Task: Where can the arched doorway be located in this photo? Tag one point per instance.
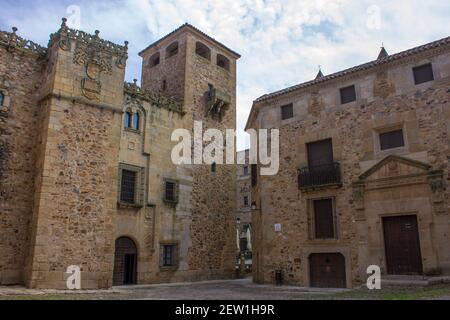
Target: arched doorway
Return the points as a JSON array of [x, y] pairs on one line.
[[327, 270], [125, 262]]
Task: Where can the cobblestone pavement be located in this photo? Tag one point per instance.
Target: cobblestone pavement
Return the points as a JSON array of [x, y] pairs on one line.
[[226, 290]]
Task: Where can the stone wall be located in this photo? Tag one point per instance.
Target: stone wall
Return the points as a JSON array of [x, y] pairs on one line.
[[20, 73], [422, 111]]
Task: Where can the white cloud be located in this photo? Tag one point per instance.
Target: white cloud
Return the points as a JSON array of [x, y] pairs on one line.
[[281, 42]]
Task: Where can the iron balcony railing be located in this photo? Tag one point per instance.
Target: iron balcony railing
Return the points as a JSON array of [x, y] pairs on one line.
[[328, 174]]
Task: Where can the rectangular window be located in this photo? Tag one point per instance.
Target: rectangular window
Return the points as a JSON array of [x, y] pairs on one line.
[[423, 74], [246, 171], [246, 201], [320, 153], [324, 226], [287, 112], [168, 255], [254, 175], [348, 94], [170, 191], [128, 187], [392, 140]]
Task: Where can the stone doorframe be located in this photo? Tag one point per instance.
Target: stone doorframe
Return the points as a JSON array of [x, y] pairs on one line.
[[398, 186], [305, 265]]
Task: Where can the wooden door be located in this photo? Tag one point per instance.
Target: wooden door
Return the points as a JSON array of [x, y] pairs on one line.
[[327, 270], [402, 245]]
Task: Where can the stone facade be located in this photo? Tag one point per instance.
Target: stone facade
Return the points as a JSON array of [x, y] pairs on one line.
[[67, 139], [370, 183]]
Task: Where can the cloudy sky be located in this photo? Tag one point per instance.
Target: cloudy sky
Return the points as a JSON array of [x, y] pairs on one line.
[[282, 42]]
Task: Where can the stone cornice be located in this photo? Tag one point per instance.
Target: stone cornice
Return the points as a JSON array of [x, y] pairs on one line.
[[12, 41], [157, 99]]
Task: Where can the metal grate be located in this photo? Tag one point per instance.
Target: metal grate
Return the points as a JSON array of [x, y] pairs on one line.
[[128, 187], [287, 112], [170, 191], [328, 174], [168, 252]]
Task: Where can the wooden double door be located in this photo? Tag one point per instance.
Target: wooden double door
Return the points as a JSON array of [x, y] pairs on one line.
[[402, 245]]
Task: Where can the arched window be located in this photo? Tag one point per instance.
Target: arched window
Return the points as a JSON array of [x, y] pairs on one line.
[[127, 119], [223, 62], [2, 99], [202, 50], [136, 121], [154, 60], [172, 50]]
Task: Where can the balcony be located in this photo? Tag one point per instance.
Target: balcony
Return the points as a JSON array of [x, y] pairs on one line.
[[217, 103], [327, 175]]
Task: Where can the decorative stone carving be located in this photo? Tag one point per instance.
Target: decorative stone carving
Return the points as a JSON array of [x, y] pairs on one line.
[[13, 42], [158, 99]]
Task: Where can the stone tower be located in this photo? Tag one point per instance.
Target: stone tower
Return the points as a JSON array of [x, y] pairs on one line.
[[195, 69], [77, 161]]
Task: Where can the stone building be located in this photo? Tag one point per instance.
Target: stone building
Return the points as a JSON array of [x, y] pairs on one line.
[[364, 171], [86, 176], [244, 212]]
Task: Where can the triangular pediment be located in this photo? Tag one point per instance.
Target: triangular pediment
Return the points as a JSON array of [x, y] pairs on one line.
[[395, 166]]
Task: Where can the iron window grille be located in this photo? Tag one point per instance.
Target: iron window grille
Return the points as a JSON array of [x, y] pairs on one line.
[[170, 191], [128, 187], [322, 175]]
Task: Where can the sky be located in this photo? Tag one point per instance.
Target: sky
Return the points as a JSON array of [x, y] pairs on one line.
[[282, 43]]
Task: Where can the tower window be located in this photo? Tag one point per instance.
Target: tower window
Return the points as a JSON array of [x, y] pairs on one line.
[[170, 191], [348, 94], [154, 60], [203, 51], [223, 62], [136, 121], [423, 74], [172, 50], [2, 99], [246, 201], [214, 167], [128, 119]]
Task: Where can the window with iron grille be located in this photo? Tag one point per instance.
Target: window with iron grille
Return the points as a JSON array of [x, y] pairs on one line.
[[423, 74], [128, 187], [324, 224], [246, 201], [392, 140], [348, 94], [287, 111], [168, 255], [170, 191]]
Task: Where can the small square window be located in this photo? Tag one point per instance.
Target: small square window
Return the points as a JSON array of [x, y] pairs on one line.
[[128, 187], [348, 94], [423, 74], [392, 140], [287, 111]]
